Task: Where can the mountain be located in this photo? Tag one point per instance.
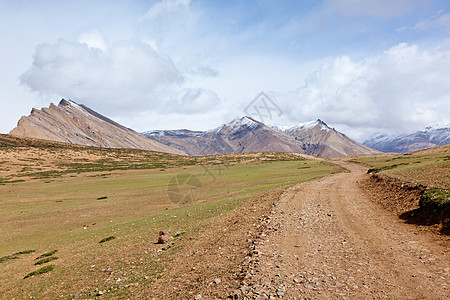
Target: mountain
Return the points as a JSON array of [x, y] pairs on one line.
[[246, 135], [242, 135], [318, 139], [78, 124], [405, 143]]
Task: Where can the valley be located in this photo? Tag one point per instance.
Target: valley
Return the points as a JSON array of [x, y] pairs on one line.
[[72, 211], [240, 225]]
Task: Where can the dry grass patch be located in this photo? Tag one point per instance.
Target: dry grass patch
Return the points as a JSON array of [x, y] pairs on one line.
[[428, 168]]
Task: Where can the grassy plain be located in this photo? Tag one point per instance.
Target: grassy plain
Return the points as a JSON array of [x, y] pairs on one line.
[[431, 168], [82, 196]]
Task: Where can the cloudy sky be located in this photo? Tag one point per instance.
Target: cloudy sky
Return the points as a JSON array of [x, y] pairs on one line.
[[362, 66]]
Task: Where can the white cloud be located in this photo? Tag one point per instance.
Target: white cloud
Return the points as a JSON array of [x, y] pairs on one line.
[[127, 74], [204, 71], [404, 88], [190, 101], [440, 20], [124, 79], [165, 6], [92, 38]]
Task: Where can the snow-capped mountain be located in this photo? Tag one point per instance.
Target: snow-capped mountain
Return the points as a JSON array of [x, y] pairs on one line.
[[432, 136], [178, 132], [245, 135], [242, 135], [318, 138]]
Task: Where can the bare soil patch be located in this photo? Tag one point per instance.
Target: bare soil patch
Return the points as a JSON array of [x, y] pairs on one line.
[[402, 199], [393, 195], [211, 263]]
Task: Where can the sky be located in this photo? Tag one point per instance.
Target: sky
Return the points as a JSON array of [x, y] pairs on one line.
[[362, 66]]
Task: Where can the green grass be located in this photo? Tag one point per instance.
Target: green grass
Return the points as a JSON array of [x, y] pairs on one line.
[[14, 255], [107, 239], [45, 260], [43, 161], [63, 214], [435, 208], [386, 167], [435, 198], [427, 169], [46, 254], [40, 271]]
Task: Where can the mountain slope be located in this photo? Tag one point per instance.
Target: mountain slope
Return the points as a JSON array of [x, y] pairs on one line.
[[78, 124], [246, 135], [319, 139], [242, 135], [405, 143]]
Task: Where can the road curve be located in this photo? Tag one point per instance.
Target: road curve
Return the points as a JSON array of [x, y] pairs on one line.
[[327, 240]]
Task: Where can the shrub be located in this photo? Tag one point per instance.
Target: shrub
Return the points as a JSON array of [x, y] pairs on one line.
[[383, 168], [46, 254], [45, 260], [107, 239], [40, 271], [435, 198], [14, 256]]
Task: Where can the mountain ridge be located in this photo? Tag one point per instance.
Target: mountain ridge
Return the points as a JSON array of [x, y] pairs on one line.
[[78, 124], [405, 143], [245, 134]]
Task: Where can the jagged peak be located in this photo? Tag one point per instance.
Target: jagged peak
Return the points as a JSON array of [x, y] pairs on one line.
[[245, 120], [237, 123], [64, 102], [69, 102]]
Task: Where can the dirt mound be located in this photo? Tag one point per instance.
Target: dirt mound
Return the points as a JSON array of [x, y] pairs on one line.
[[404, 199], [393, 195]]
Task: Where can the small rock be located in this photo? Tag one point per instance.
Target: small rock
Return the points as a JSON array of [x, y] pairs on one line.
[[163, 237], [198, 297], [217, 281]]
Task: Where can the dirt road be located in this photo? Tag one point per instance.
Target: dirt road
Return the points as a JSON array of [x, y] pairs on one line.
[[327, 240]]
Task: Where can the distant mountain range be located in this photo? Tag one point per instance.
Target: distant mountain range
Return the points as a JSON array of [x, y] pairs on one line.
[[244, 135], [78, 124], [405, 143]]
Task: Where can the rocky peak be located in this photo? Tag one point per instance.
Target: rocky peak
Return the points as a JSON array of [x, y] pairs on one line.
[[75, 123], [64, 102]]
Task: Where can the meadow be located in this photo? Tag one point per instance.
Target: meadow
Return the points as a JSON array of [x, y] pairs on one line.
[[430, 168], [101, 210]]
